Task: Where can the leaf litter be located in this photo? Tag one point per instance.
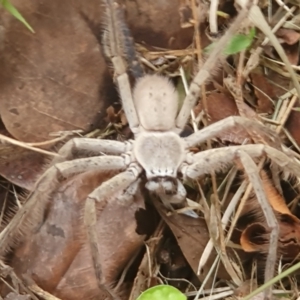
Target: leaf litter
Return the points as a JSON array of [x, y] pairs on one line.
[[261, 90]]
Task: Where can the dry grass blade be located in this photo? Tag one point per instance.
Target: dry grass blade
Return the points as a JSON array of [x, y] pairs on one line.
[[257, 18], [26, 146], [37, 290], [207, 67]]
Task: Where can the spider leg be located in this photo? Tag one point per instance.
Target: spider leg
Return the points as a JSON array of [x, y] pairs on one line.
[[215, 130], [45, 186], [220, 158], [90, 147], [114, 49], [127, 181]]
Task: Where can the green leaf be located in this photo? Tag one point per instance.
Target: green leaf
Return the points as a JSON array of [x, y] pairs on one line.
[[162, 292], [10, 8], [237, 44], [240, 42]]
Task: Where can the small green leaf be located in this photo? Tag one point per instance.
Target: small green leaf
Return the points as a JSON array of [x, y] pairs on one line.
[[10, 8], [162, 292], [237, 44], [240, 42]]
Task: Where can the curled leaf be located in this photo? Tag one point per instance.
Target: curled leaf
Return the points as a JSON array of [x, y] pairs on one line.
[[276, 200], [253, 238]]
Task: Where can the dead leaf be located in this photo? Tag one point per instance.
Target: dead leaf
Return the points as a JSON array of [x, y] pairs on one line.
[[254, 237], [192, 236], [268, 87], [186, 13], [157, 23], [264, 91], [21, 166], [293, 124], [275, 199], [292, 53], [55, 79], [246, 288], [221, 106], [172, 262], [56, 254], [288, 36]]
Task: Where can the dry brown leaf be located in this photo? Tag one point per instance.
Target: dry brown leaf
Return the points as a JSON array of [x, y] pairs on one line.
[[186, 13], [275, 199], [21, 166], [157, 23], [173, 264], [272, 87], [57, 256], [192, 236], [254, 237], [220, 106], [55, 79], [288, 36], [264, 91], [293, 124], [268, 87], [245, 288], [292, 53]]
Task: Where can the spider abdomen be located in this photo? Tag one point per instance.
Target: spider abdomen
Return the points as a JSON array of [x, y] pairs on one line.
[[156, 101]]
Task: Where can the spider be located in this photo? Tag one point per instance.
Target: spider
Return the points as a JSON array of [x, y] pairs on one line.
[[158, 155]]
